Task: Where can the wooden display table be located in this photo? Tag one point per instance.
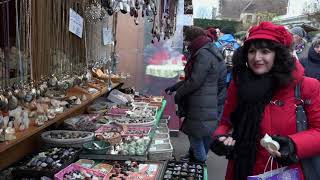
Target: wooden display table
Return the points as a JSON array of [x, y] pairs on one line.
[[28, 141]]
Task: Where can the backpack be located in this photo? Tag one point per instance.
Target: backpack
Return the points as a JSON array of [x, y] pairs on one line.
[[227, 50]]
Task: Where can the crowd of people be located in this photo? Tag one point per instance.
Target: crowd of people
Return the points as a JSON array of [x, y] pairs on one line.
[[234, 94]]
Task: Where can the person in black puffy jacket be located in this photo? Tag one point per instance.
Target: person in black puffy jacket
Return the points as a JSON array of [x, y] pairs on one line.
[[200, 97]]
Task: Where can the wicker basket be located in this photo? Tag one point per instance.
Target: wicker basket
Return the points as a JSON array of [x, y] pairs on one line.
[[76, 142]]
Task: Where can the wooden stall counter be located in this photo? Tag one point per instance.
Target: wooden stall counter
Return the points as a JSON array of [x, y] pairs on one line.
[[28, 141]]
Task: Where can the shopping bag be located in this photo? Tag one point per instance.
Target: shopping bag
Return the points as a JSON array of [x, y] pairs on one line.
[[283, 173]]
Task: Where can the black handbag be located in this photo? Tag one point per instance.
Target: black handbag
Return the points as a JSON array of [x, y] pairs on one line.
[[310, 166]]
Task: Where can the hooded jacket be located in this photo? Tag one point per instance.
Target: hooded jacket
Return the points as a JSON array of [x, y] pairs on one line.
[[281, 120], [226, 39]]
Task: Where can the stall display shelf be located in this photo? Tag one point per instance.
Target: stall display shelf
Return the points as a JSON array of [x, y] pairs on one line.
[[33, 129], [86, 155], [25, 140]]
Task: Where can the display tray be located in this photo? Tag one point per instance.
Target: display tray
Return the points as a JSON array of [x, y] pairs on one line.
[[21, 169], [144, 170], [87, 155], [185, 170]]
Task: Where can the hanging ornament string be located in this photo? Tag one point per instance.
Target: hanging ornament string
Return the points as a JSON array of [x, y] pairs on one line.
[[18, 42], [7, 45], [4, 2], [29, 35], [4, 49]]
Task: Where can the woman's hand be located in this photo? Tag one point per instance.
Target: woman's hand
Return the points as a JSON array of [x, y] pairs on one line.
[[227, 140], [273, 152], [287, 152], [223, 145]]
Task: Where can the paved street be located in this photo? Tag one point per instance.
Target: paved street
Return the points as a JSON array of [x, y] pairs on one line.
[[216, 165]]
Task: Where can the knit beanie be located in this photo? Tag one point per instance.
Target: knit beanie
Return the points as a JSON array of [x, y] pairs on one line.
[[212, 34], [193, 32], [227, 30], [298, 31]]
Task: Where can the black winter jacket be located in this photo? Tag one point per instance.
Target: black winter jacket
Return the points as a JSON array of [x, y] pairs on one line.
[[312, 64], [203, 94]]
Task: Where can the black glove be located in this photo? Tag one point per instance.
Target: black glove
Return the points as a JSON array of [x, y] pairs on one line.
[[219, 148], [169, 90], [287, 150]]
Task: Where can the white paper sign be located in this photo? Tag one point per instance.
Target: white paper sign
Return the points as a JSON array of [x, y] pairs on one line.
[[75, 23], [107, 36]]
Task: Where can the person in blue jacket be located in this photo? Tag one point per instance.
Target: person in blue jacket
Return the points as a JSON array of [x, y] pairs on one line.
[[226, 38], [227, 44]]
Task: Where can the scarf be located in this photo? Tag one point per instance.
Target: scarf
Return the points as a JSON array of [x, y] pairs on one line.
[[254, 92], [195, 45], [299, 48]]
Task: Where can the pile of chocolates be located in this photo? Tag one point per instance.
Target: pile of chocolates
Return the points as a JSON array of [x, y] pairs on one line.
[[130, 170], [85, 125], [122, 169], [137, 131], [67, 135], [137, 120], [78, 174], [184, 171], [116, 110], [52, 159]]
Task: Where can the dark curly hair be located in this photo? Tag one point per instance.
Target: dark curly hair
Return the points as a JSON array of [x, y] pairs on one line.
[[283, 65], [193, 32]]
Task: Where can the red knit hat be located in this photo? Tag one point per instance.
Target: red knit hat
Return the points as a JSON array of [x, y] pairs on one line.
[[212, 34], [270, 31]]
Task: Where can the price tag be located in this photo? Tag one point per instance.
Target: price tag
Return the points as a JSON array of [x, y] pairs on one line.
[[152, 148], [153, 167], [107, 36], [142, 167], [75, 23], [159, 141]]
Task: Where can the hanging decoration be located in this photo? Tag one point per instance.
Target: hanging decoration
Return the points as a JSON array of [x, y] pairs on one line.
[[94, 12], [188, 7], [131, 7]]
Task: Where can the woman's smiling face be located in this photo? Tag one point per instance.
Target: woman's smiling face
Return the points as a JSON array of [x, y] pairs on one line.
[[261, 60]]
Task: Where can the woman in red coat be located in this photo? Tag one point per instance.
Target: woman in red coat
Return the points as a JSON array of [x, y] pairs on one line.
[[261, 100]]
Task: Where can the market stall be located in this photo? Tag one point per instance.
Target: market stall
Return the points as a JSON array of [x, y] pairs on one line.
[[66, 112]]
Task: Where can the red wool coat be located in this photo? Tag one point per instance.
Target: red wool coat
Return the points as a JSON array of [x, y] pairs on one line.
[[281, 120]]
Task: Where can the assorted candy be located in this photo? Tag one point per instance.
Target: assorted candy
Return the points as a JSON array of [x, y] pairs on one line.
[[184, 170], [78, 174], [133, 170], [67, 135], [134, 146]]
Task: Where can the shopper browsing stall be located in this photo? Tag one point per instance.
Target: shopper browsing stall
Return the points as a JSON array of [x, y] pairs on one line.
[[261, 100]]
